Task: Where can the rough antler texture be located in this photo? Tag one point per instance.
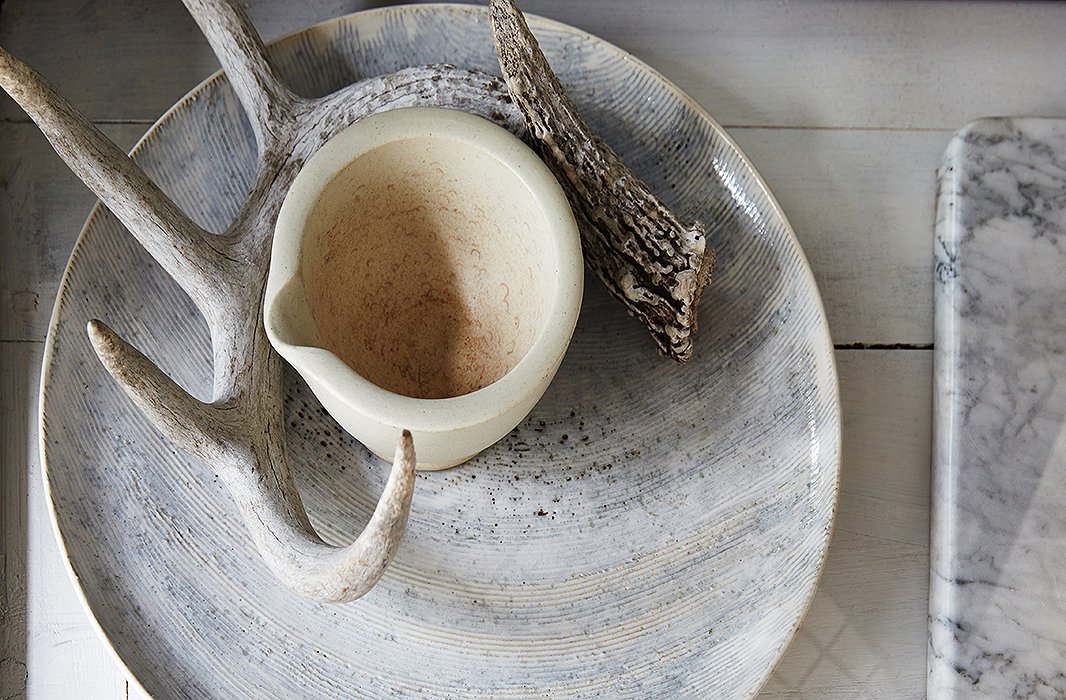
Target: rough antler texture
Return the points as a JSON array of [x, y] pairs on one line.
[[241, 431], [649, 260]]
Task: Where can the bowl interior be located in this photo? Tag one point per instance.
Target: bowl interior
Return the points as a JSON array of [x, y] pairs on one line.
[[426, 264]]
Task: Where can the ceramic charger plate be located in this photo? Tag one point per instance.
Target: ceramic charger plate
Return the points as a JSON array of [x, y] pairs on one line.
[[650, 530]]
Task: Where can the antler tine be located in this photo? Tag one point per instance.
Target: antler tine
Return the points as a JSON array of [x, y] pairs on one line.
[[239, 49], [183, 248], [331, 574], [275, 518], [183, 419], [365, 560]]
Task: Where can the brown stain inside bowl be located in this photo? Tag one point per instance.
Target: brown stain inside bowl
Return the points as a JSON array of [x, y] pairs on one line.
[[423, 271]]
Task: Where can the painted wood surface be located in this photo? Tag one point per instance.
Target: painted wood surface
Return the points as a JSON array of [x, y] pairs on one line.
[[845, 111], [51, 649], [827, 64], [864, 636]]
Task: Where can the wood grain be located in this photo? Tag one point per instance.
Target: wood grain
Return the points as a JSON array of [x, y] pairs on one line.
[[14, 448], [48, 647]]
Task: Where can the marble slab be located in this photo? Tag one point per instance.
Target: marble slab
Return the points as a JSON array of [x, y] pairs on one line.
[[997, 595]]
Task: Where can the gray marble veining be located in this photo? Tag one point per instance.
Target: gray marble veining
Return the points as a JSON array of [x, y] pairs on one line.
[[997, 598]]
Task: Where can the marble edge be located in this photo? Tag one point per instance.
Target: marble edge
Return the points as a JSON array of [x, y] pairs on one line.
[[947, 236], [943, 676], [945, 342]]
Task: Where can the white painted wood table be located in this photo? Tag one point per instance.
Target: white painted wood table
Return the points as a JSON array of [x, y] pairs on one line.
[[844, 109]]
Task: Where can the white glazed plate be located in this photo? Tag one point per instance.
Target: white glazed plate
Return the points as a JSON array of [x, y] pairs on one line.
[[650, 530]]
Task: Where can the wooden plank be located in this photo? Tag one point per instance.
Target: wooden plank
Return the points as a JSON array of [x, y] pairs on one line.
[[830, 64], [13, 459], [50, 648], [865, 633], [42, 209]]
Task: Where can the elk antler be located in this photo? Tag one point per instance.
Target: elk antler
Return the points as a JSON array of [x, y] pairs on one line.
[[241, 431]]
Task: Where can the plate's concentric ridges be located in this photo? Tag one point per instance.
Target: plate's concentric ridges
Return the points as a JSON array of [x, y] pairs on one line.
[[650, 530]]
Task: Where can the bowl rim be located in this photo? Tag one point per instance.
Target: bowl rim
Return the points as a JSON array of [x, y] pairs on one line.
[[324, 370]]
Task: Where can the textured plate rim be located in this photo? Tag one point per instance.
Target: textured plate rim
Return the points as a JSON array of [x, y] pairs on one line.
[[537, 21]]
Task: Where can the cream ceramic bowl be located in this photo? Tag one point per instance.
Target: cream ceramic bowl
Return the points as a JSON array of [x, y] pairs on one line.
[[426, 275]]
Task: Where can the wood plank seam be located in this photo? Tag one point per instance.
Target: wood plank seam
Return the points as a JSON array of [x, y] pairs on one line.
[[883, 346]]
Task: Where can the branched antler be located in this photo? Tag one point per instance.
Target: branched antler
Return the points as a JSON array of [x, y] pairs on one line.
[[265, 98], [241, 431]]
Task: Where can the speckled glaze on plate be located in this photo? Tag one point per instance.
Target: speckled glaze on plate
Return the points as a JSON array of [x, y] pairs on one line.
[[650, 530]]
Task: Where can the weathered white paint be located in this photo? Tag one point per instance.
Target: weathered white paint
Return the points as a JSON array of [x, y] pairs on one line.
[[833, 64]]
